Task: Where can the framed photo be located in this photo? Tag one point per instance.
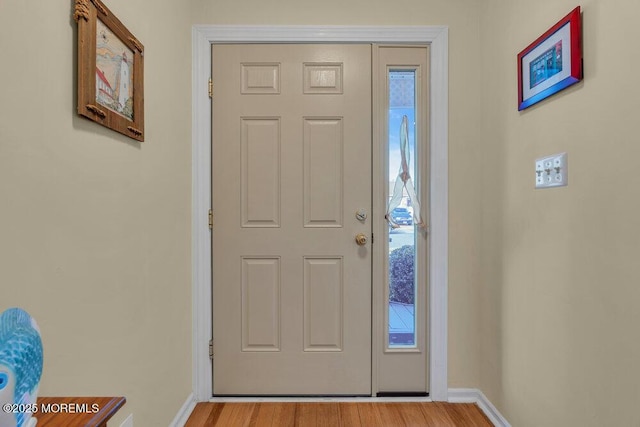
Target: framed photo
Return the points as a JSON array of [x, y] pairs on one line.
[[110, 70], [551, 63]]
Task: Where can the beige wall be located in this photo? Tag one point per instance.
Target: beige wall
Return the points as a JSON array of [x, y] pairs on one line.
[[559, 306], [95, 228], [464, 144]]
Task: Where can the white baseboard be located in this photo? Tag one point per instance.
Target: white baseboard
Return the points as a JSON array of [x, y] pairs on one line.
[[473, 395], [183, 414], [128, 422]]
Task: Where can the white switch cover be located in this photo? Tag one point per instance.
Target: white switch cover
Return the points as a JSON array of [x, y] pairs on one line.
[[552, 171]]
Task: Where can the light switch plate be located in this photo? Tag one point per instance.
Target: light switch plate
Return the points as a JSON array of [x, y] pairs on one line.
[[552, 171]]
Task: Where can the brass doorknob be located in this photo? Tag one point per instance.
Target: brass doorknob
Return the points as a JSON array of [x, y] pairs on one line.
[[361, 239]]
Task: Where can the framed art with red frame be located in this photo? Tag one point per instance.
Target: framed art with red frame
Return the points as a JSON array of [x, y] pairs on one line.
[[551, 63]]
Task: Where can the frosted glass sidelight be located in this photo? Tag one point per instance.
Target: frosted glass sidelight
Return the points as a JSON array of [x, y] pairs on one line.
[[403, 212]]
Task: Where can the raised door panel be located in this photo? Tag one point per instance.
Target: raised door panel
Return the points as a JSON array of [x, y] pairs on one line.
[[260, 172], [323, 304], [323, 171], [261, 304]]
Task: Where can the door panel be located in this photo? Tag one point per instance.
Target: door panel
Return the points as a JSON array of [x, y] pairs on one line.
[[323, 304], [323, 185], [260, 304], [260, 171], [291, 166]]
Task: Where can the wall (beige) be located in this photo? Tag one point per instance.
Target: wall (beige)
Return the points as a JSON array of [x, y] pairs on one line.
[[464, 144], [559, 305], [94, 227]]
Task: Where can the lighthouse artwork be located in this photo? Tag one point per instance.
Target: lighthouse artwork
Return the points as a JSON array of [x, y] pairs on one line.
[[114, 72], [110, 70]]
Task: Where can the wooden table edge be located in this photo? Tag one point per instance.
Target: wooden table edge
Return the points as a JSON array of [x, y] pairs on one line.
[[108, 406]]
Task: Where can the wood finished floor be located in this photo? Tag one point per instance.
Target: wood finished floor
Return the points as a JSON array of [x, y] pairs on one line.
[[332, 414]]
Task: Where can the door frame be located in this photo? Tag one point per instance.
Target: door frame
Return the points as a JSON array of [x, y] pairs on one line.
[[202, 38]]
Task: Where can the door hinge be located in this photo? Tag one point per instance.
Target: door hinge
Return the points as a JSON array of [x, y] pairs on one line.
[[372, 238], [210, 87], [210, 219], [211, 349]]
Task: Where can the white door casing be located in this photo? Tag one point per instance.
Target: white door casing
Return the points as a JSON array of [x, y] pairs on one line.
[[437, 37], [291, 167]]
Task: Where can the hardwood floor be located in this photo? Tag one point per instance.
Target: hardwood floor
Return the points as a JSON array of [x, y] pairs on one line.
[[332, 414]]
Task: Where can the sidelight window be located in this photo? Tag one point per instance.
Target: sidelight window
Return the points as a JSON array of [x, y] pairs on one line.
[[403, 208]]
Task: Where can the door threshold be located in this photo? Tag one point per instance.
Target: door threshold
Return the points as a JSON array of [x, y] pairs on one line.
[[402, 394]]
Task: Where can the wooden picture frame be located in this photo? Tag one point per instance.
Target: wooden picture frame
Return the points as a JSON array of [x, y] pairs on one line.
[[110, 70], [551, 63]]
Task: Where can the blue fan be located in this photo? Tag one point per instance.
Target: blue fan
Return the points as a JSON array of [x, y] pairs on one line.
[[20, 367]]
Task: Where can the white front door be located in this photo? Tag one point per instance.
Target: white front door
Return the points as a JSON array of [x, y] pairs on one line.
[[291, 167]]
